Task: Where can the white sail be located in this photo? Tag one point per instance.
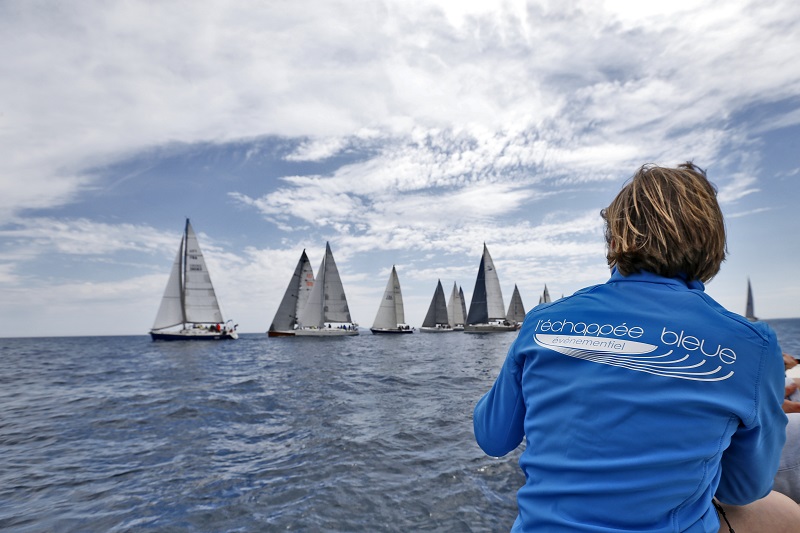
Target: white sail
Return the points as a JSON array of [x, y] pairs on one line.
[[170, 312], [189, 298], [295, 297], [391, 311], [327, 301], [455, 307], [200, 300], [494, 296]]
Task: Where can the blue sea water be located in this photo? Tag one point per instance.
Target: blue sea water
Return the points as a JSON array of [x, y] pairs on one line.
[[368, 433]]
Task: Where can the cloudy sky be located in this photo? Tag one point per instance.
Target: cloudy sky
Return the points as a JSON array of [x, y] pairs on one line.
[[406, 133]]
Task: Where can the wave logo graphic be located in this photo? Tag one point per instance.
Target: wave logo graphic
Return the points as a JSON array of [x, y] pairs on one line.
[[632, 355]]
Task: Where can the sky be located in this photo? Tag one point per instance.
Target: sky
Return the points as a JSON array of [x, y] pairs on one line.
[[405, 133]]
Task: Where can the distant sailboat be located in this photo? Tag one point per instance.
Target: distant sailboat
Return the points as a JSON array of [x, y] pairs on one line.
[[456, 312], [326, 313], [391, 315], [487, 312], [189, 299], [436, 320], [516, 311], [749, 312], [294, 299], [545, 297]]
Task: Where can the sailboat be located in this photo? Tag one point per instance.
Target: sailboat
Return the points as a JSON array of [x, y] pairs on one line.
[[436, 320], [545, 297], [326, 313], [294, 299], [456, 313], [487, 312], [189, 299], [749, 312], [516, 311], [391, 315]]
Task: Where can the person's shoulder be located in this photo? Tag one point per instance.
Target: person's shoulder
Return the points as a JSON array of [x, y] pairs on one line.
[[737, 321]]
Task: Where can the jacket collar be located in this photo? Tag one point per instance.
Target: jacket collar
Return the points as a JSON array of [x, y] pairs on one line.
[[649, 277]]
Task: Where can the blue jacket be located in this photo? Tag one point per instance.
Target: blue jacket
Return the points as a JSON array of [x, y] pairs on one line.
[[640, 399]]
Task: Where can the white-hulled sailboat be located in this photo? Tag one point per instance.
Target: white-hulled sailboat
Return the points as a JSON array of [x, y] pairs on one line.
[[294, 299], [391, 315], [456, 313], [516, 311], [189, 299], [487, 312], [326, 313], [436, 320]]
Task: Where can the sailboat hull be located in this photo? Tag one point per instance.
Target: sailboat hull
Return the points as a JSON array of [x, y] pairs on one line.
[[489, 328], [325, 332], [428, 329], [280, 334], [189, 335], [379, 331]]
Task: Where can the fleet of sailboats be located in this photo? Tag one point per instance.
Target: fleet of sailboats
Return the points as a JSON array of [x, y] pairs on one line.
[[391, 315], [189, 308], [487, 312], [317, 306]]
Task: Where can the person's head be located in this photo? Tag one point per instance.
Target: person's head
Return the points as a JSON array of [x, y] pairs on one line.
[[666, 221]]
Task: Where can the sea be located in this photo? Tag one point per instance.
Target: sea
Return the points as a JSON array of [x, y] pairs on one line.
[[367, 433]]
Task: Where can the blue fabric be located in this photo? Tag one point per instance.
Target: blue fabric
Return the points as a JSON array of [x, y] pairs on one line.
[[640, 399]]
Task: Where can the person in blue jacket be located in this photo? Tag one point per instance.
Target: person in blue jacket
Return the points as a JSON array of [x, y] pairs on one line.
[[644, 404]]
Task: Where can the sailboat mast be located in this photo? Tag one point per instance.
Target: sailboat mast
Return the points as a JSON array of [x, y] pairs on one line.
[[184, 248]]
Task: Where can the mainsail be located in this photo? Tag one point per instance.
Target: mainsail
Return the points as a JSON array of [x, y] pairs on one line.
[[189, 296], [455, 307], [391, 312], [545, 297], [437, 311], [327, 301], [487, 298], [749, 312], [516, 311], [295, 297]]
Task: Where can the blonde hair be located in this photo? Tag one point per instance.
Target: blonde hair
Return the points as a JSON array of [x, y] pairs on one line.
[[666, 221]]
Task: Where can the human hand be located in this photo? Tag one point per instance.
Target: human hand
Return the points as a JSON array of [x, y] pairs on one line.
[[790, 406], [789, 361]]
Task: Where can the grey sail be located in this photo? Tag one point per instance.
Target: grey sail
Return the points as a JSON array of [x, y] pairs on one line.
[[545, 297], [516, 311], [170, 312], [486, 311], [437, 311], [749, 312], [478, 310], [295, 297]]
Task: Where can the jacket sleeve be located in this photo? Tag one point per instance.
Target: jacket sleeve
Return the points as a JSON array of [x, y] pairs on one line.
[[498, 419], [751, 461]]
